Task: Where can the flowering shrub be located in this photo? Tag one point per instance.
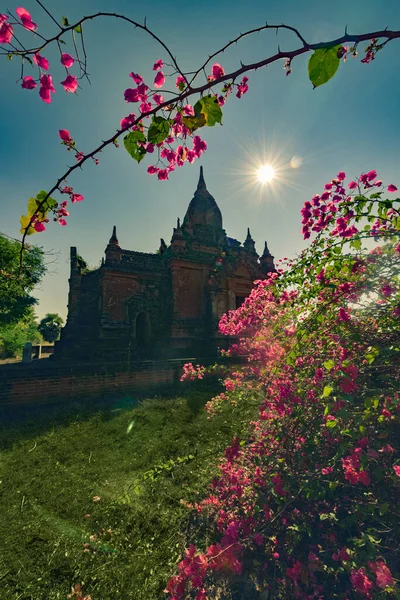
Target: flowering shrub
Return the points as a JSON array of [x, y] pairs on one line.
[[306, 507]]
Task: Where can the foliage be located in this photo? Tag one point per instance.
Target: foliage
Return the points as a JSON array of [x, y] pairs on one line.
[[53, 466], [13, 336], [306, 507], [17, 279], [50, 327]]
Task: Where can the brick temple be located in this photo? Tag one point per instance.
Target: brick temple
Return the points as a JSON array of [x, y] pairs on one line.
[[139, 305]]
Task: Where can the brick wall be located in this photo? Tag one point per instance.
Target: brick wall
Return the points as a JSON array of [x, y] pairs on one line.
[[45, 381]]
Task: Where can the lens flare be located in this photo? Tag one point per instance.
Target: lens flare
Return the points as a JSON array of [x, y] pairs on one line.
[[266, 173]]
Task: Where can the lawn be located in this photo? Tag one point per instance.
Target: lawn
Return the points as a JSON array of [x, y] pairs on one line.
[[93, 495]]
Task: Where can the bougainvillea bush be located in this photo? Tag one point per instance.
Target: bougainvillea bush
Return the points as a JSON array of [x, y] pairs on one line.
[[307, 507]]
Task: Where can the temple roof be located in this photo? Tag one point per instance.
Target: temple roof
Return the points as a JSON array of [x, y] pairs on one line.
[[203, 210]]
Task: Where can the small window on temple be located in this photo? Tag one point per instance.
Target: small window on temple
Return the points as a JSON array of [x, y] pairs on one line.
[[240, 300]]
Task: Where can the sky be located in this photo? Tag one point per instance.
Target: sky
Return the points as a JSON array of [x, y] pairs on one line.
[[352, 124]]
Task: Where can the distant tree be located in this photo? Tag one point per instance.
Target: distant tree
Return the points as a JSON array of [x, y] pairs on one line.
[[50, 327], [13, 336], [18, 278]]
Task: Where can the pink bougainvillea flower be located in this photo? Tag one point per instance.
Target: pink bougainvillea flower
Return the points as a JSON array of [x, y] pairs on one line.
[[39, 226], [127, 121], [152, 170], [158, 65], [131, 95], [391, 188], [70, 84], [138, 79], [158, 98], [79, 198], [28, 83], [46, 88], [382, 572], [159, 80], [6, 30], [62, 222], [180, 81], [372, 175], [360, 581], [41, 61], [65, 135], [162, 174], [352, 185], [189, 110], [341, 175], [67, 60], [217, 71], [149, 148], [26, 18], [396, 469], [145, 107]]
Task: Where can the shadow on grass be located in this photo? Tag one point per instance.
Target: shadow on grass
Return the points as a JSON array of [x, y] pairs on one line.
[[25, 422]]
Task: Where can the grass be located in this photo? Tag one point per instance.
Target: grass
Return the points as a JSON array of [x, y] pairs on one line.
[[54, 462]]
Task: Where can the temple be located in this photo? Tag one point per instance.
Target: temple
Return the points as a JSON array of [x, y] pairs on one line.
[[139, 305]]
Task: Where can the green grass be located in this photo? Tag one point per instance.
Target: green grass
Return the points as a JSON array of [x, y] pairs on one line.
[[52, 465]]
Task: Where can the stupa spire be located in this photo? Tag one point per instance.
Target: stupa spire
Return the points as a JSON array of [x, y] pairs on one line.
[[113, 238]]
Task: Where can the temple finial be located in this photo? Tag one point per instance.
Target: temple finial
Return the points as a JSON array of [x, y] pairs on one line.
[[248, 234], [202, 183], [178, 223], [113, 238], [266, 251]]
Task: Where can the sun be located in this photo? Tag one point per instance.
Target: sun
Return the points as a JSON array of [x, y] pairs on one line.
[[265, 174]]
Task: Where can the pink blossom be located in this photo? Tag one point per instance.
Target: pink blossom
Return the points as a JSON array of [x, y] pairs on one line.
[[62, 222], [341, 175], [360, 581], [28, 83], [6, 30], [76, 198], [158, 98], [39, 226], [158, 65], [371, 175], [387, 290], [396, 469], [179, 81], [127, 121], [70, 83], [159, 80], [162, 174], [41, 61], [391, 188], [189, 110], [138, 79], [149, 148], [46, 88], [343, 315], [145, 107], [67, 60], [152, 170], [26, 19], [65, 135], [217, 71], [131, 95], [383, 575], [352, 185]]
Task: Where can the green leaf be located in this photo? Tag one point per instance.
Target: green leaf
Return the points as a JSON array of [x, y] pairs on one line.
[[64, 21], [327, 391], [331, 424], [210, 109], [78, 29], [131, 145], [194, 123], [158, 130], [356, 244], [329, 364], [323, 64]]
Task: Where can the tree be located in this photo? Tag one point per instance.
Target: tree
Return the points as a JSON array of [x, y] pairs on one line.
[[50, 327], [13, 336], [17, 280]]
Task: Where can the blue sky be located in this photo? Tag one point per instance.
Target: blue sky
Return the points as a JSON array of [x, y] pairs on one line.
[[351, 124]]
